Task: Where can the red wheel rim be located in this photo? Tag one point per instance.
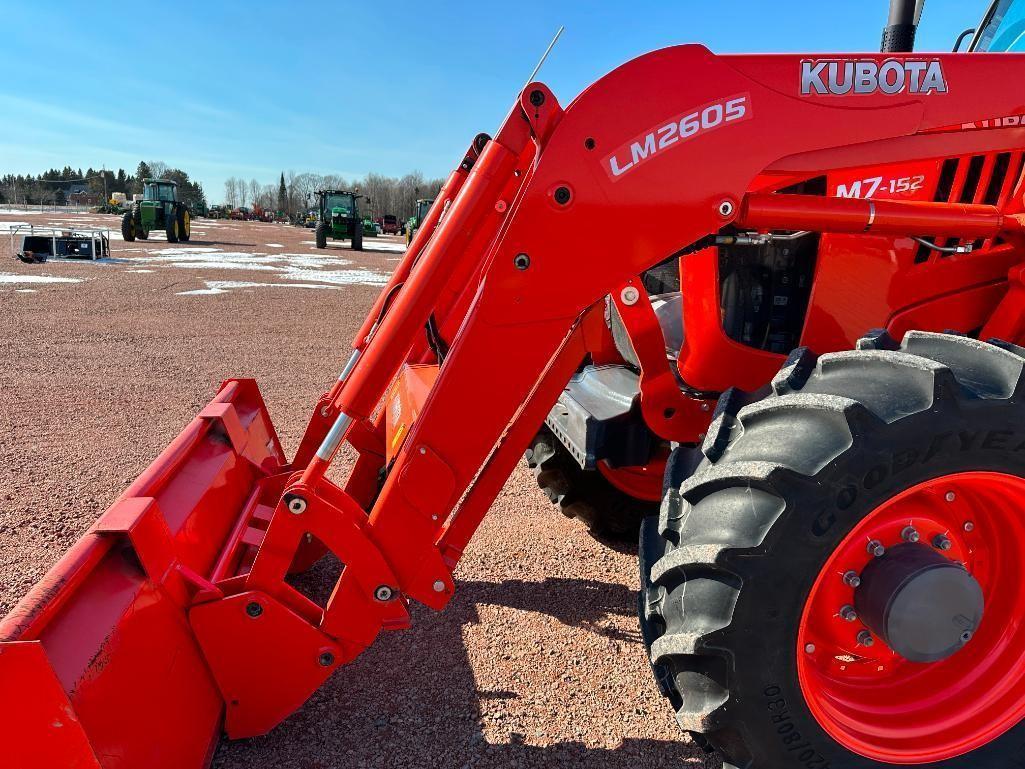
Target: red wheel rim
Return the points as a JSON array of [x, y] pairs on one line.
[[879, 705]]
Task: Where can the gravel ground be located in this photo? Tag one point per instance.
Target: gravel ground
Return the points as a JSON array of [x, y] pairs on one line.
[[536, 663]]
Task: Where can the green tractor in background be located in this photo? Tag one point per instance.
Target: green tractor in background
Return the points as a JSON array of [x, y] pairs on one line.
[[340, 218], [159, 209], [422, 207]]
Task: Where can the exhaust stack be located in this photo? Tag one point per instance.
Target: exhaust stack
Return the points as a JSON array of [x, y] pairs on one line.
[[899, 33]]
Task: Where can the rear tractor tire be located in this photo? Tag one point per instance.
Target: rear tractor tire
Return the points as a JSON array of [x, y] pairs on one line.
[[184, 225], [128, 227], [321, 235], [585, 494], [171, 228], [838, 583]]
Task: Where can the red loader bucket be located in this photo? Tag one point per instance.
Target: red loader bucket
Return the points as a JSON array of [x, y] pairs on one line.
[[99, 666]]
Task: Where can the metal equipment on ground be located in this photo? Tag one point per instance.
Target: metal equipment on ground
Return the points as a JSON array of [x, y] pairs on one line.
[[34, 244]]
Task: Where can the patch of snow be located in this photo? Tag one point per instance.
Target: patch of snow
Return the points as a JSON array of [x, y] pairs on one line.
[[395, 248], [139, 270], [339, 277], [273, 245], [6, 277], [25, 291], [225, 286]]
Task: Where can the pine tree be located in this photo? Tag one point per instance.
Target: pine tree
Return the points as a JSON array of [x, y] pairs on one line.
[[283, 195]]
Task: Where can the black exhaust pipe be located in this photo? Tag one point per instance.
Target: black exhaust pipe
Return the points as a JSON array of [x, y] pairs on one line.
[[899, 34]]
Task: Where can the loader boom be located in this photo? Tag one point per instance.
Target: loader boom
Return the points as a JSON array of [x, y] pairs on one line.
[[510, 259]]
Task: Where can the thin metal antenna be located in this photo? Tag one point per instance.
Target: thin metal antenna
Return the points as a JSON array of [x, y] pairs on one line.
[[544, 56]]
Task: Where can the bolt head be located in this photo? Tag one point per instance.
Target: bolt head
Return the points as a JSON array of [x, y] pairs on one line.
[[967, 636], [562, 195], [726, 208], [809, 649], [876, 549], [865, 639], [383, 593], [297, 505], [254, 609], [630, 295], [326, 659], [941, 542], [848, 614], [439, 587], [910, 534], [537, 97], [852, 579], [950, 496], [521, 261], [969, 526]]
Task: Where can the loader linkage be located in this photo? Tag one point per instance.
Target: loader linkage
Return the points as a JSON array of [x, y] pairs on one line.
[[180, 594]]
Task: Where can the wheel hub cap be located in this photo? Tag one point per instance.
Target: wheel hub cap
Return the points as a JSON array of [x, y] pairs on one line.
[[922, 605], [911, 645]]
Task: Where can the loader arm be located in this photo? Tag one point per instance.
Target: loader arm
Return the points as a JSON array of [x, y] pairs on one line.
[[510, 263]]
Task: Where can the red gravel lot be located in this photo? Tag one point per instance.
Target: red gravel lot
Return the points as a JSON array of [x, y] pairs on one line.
[[536, 663]]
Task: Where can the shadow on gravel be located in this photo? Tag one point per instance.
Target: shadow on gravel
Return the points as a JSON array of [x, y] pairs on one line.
[[412, 700], [579, 603]]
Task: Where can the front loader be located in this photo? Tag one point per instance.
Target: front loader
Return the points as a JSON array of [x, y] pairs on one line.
[[833, 576]]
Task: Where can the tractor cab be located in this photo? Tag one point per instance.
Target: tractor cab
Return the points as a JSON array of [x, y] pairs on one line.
[[337, 204], [1003, 29], [419, 214], [422, 207], [160, 190]]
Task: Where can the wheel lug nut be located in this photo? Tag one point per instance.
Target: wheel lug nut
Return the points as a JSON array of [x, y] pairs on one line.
[[969, 526], [852, 579], [848, 614], [876, 548], [942, 542], [910, 534], [865, 638]]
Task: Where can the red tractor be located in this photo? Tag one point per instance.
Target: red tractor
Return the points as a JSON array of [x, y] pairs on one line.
[[830, 562]]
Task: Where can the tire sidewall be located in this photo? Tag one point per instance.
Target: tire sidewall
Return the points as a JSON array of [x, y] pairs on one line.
[[821, 512]]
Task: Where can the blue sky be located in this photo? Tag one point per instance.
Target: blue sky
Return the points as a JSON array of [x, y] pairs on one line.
[[252, 89]]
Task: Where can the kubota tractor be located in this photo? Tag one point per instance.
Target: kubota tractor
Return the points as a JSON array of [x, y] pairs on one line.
[[159, 209], [833, 577], [340, 218]]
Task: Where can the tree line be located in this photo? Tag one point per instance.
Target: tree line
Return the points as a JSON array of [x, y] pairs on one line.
[[52, 187], [297, 192]]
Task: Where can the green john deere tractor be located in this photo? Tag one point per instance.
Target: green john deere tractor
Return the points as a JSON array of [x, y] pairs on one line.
[[340, 218], [422, 207], [159, 209]]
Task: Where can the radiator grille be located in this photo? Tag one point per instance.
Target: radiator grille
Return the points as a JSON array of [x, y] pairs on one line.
[[980, 179]]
